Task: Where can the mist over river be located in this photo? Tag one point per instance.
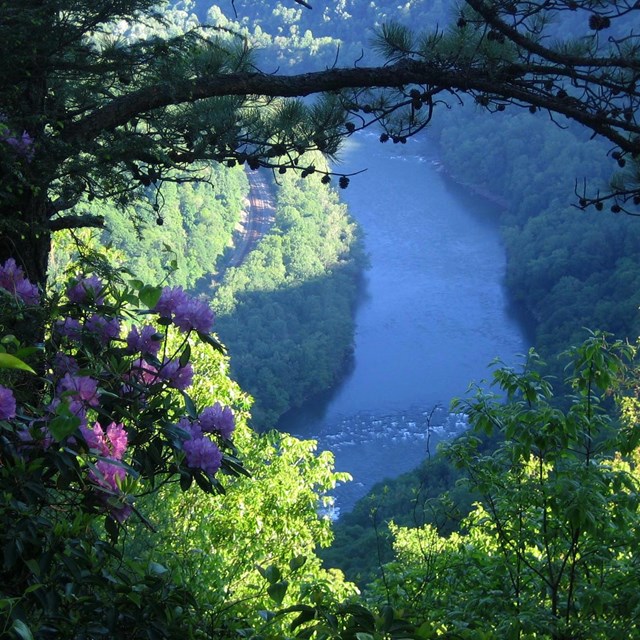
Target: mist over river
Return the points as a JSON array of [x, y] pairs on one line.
[[433, 315]]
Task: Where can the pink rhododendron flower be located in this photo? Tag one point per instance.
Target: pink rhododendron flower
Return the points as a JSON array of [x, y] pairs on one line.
[[111, 475], [111, 443], [111, 446]]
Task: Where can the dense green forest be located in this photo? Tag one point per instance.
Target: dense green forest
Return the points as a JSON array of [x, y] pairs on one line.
[[569, 269], [286, 313], [184, 242], [138, 502]]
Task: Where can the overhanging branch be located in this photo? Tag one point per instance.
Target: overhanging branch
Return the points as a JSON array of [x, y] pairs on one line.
[[514, 82], [76, 222]]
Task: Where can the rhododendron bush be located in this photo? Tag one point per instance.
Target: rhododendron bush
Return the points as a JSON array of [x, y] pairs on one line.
[[94, 416]]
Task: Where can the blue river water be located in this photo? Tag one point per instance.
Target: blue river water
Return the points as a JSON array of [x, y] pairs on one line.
[[434, 314]]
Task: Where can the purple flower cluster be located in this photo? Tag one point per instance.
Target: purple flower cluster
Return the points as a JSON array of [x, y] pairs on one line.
[[217, 419], [68, 328], [62, 364], [143, 372], [22, 145], [94, 375], [82, 290], [111, 446], [98, 326], [83, 388], [102, 329], [186, 313], [7, 404], [13, 280], [177, 377], [145, 341], [200, 451]]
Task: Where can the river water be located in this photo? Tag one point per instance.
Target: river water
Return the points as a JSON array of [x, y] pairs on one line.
[[434, 314]]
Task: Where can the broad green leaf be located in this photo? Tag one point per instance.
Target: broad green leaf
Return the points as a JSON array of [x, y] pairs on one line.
[[210, 340], [63, 425], [272, 574], [7, 361], [22, 630], [297, 562], [278, 591], [136, 284], [157, 569], [149, 295]]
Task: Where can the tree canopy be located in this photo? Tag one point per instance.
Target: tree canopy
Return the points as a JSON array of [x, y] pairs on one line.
[[92, 108]]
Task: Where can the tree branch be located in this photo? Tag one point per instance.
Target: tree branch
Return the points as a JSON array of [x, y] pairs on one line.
[[507, 83], [76, 222]]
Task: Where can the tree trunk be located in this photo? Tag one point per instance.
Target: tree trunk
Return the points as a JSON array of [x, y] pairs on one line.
[[25, 235]]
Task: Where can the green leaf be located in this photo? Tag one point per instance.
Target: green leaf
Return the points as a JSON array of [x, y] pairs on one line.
[[266, 615], [22, 630], [388, 616], [25, 352], [272, 574], [7, 361], [136, 284], [278, 591], [297, 562], [210, 340], [305, 616], [189, 406], [234, 467], [185, 481], [149, 295], [203, 482], [185, 356], [64, 424], [157, 569]]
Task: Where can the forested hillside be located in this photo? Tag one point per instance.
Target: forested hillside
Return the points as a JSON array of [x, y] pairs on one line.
[[286, 314], [181, 243], [138, 502], [569, 268]]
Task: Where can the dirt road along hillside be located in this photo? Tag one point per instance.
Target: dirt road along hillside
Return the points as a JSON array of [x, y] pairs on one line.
[[257, 217]]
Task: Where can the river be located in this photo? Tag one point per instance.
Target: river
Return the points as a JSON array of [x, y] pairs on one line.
[[434, 314]]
